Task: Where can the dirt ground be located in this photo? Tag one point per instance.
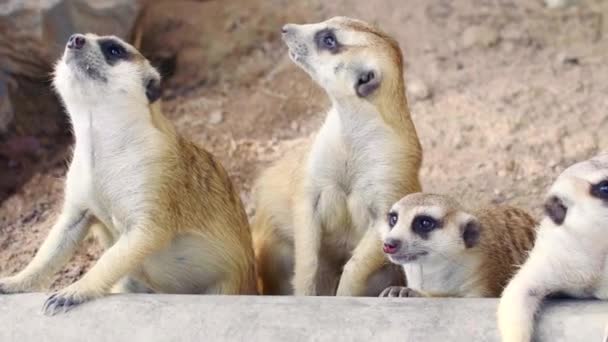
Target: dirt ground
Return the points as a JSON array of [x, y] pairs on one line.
[[504, 94]]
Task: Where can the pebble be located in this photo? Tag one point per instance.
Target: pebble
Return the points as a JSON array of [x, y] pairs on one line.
[[216, 117], [559, 3], [418, 90], [567, 58], [480, 35]]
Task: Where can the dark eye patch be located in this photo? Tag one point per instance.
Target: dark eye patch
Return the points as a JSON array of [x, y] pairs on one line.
[[326, 40], [113, 51], [423, 225], [600, 190]]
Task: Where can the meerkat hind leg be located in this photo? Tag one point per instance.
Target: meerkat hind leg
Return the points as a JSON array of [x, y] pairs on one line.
[[275, 267], [130, 284], [193, 264]]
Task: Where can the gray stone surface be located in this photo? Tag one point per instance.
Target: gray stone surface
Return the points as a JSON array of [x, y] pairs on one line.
[[222, 318]]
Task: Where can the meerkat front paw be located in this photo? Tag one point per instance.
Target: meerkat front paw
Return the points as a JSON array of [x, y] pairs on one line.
[[65, 300], [400, 291]]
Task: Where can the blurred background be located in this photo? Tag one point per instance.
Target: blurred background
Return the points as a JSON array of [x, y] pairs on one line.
[[504, 93]]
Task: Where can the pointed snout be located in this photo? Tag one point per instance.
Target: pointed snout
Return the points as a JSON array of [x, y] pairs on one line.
[[76, 41], [288, 29]]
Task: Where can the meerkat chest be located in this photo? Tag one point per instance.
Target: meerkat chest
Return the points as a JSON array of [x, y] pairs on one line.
[[352, 174], [113, 169], [448, 278]]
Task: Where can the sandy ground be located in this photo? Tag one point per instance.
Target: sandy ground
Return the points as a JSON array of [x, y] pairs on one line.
[[504, 94]]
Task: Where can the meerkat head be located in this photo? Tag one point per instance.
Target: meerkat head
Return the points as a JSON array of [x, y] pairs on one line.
[[578, 199], [105, 69], [428, 227], [349, 58]]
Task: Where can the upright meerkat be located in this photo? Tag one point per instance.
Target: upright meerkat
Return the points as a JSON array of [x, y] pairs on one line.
[[448, 251], [317, 206], [570, 255], [164, 207]]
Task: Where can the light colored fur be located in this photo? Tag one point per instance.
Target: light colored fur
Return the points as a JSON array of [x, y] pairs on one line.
[[449, 268], [571, 258], [316, 207], [163, 207]]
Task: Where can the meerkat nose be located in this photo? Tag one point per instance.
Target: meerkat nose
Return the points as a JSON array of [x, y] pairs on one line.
[[76, 41], [391, 246]]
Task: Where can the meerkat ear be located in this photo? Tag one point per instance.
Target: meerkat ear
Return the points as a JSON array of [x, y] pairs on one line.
[[470, 232], [153, 90], [367, 81]]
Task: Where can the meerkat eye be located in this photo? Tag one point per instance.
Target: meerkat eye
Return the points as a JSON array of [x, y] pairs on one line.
[[424, 224], [366, 77], [600, 190], [329, 41], [113, 51], [392, 217], [326, 40], [116, 50]]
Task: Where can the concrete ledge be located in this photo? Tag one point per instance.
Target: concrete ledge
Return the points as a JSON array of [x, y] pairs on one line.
[[164, 318]]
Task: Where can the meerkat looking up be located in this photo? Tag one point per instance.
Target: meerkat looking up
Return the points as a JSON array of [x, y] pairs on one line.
[[317, 206], [166, 209], [570, 255], [448, 251]]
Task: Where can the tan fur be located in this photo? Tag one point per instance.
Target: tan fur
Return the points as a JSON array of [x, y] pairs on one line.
[[507, 236], [164, 208], [451, 268], [314, 219]]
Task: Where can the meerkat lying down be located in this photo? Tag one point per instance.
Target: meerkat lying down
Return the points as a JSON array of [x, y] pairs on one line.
[[316, 207], [164, 208], [447, 250], [570, 255]]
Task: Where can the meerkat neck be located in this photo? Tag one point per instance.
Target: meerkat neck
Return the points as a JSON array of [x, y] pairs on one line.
[[443, 276]]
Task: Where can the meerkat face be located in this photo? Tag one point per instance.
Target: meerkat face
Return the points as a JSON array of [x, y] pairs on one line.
[[426, 227], [349, 58], [578, 200], [96, 69]]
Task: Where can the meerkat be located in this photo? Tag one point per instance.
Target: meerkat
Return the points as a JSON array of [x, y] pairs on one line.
[[570, 255], [449, 251], [164, 207], [316, 207]]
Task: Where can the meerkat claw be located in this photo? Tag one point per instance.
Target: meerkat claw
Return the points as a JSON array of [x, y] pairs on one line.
[[60, 303], [400, 291]]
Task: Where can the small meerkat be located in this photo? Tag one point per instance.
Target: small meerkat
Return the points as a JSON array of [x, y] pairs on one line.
[[570, 255], [316, 207], [449, 251], [163, 207]]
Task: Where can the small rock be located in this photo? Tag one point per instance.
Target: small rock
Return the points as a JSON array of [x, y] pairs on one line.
[[294, 126], [566, 58], [418, 90], [480, 35], [559, 3], [216, 117]]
